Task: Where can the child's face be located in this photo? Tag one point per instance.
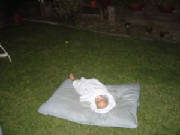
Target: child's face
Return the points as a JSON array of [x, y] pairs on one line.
[[101, 102]]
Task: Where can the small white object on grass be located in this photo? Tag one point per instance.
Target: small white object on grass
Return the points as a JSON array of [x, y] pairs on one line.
[[66, 42], [5, 53]]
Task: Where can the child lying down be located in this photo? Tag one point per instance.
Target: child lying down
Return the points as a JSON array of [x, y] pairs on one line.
[[93, 91]]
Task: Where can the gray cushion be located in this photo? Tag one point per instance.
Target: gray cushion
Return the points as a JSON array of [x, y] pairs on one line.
[[64, 103]]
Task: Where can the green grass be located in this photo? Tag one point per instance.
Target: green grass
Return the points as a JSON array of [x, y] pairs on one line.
[[41, 60]]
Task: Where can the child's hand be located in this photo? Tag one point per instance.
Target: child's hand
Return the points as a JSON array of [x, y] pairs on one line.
[[71, 76]]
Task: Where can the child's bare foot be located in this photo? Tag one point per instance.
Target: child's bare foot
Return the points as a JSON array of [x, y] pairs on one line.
[[71, 76]]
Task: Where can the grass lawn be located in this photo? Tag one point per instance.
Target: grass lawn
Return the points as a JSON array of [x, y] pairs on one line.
[[42, 59]]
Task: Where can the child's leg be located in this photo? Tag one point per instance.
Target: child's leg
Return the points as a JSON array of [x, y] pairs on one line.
[[71, 76]]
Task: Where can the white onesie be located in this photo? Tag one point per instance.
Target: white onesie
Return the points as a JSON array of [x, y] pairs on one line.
[[89, 89]]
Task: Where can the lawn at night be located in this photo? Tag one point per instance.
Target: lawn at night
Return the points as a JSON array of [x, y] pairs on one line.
[[43, 56]]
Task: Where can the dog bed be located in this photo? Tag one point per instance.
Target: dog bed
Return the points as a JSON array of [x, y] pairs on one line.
[[65, 104]]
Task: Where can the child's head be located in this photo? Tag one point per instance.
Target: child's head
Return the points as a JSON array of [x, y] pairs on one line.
[[101, 102]]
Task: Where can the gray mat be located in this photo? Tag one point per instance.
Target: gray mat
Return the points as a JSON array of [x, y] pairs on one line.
[[64, 103]]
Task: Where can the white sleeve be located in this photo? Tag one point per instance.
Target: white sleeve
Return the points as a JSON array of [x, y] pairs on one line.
[[76, 84], [79, 85]]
